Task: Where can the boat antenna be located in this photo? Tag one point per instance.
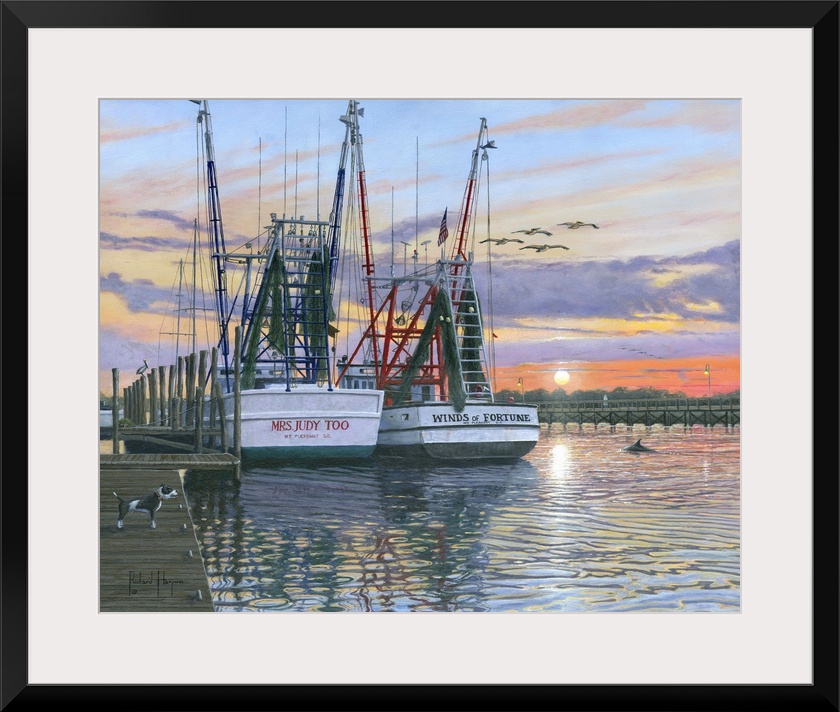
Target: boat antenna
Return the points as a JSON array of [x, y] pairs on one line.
[[178, 319], [318, 176], [416, 191], [296, 182], [392, 232], [195, 243], [285, 142], [259, 200], [490, 285]]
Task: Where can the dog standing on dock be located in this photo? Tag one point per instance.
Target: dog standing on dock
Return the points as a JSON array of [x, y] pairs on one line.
[[151, 503]]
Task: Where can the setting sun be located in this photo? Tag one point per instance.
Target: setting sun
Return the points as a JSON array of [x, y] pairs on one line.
[[561, 378]]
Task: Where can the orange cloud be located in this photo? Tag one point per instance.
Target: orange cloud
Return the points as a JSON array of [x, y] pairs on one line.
[[107, 135]]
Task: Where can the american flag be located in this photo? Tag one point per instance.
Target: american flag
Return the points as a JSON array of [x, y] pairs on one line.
[[444, 233]]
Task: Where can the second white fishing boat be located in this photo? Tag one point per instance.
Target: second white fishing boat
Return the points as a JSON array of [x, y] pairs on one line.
[[425, 347]]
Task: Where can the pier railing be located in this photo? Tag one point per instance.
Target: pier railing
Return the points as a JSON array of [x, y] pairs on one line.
[[180, 407], [688, 412]]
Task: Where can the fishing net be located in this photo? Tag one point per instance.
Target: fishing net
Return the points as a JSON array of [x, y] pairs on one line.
[[440, 315], [271, 290], [316, 312]]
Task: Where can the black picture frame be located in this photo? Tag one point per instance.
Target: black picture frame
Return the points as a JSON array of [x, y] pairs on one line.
[[820, 16]]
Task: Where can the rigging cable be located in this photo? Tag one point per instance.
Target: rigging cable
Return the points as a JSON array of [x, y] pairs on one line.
[[318, 176], [490, 295]]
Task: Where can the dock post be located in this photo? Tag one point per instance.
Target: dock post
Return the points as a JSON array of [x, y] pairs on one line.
[[152, 376], [179, 390], [176, 417], [141, 401], [202, 369], [202, 379], [217, 393], [199, 420], [190, 390], [115, 410], [162, 402], [237, 402], [214, 360], [171, 396]]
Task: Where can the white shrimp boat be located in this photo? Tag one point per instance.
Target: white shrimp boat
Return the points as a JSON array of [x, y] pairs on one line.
[[290, 408], [425, 347]]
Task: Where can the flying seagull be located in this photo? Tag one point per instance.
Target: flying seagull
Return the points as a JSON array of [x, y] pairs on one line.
[[533, 231], [576, 224], [489, 144], [143, 368], [501, 240], [542, 248]]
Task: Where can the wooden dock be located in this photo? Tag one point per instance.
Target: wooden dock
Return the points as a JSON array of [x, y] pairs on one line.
[[145, 570], [169, 461]]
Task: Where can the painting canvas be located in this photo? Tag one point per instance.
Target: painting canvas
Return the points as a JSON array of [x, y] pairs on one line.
[[460, 355]]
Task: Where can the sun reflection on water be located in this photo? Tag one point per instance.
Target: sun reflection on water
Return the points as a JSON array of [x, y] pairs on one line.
[[559, 462]]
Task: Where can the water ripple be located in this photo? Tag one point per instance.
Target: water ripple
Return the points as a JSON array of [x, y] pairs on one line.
[[578, 525]]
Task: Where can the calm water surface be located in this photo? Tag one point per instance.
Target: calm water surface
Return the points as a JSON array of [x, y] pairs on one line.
[[577, 525]]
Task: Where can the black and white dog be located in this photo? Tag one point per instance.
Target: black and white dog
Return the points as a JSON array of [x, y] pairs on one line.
[[151, 503]]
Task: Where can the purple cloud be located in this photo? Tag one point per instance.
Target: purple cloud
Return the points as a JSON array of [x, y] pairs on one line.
[[139, 294], [621, 289]]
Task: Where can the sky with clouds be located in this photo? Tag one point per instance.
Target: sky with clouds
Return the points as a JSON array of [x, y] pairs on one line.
[[648, 299]]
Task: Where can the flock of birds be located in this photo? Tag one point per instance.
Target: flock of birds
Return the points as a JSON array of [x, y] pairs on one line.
[[539, 231]]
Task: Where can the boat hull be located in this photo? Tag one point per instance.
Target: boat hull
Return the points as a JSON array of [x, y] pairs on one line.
[[106, 423], [306, 423], [481, 431]]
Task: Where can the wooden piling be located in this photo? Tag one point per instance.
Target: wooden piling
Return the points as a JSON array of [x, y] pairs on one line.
[[162, 401], [115, 409], [179, 390], [152, 376], [171, 396], [202, 369], [237, 401], [214, 360], [199, 419], [217, 393], [141, 401], [176, 415], [190, 388], [201, 380]]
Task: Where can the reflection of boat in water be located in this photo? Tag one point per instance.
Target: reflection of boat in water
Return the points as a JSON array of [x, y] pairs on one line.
[[289, 406], [425, 347], [352, 537]]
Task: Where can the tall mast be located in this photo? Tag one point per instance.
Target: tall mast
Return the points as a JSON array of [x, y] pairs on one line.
[[459, 245], [178, 318], [351, 119], [334, 239], [217, 234], [194, 260]]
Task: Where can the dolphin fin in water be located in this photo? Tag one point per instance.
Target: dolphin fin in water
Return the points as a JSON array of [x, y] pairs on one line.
[[637, 447]]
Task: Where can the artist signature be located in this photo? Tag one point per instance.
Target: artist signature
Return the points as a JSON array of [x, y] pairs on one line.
[[156, 581]]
